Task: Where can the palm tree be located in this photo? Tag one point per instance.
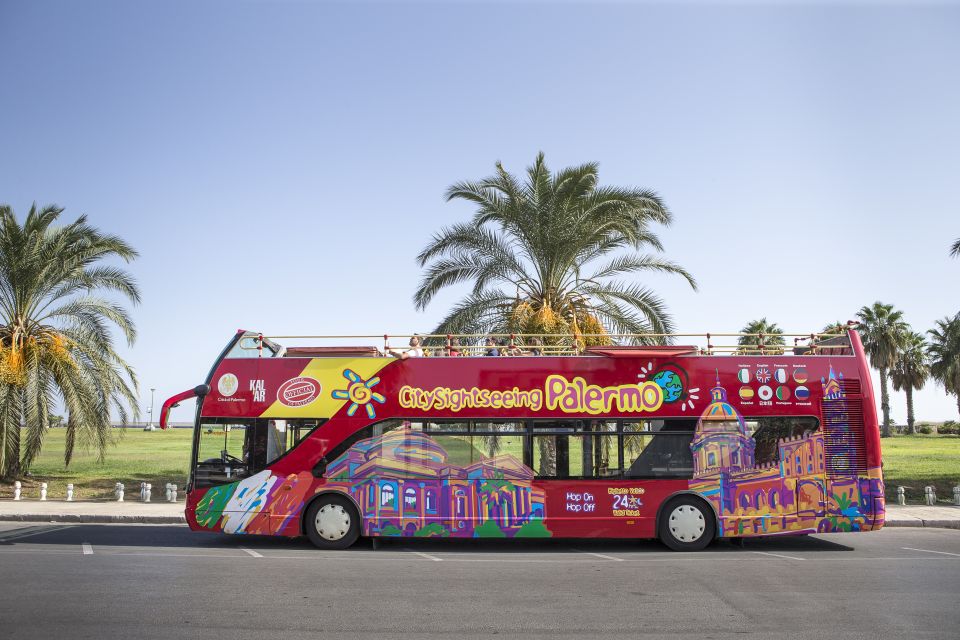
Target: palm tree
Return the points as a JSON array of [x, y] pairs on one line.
[[883, 332], [56, 347], [530, 251], [955, 248], [766, 338], [911, 371], [838, 328], [944, 352]]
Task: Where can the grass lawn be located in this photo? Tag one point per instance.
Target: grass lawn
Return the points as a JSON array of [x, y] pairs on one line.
[[139, 456], [917, 461], [160, 457]]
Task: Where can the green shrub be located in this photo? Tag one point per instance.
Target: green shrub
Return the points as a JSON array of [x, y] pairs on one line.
[[925, 430]]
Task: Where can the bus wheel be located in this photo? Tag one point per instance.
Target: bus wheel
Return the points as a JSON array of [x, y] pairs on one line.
[[686, 524], [332, 522]]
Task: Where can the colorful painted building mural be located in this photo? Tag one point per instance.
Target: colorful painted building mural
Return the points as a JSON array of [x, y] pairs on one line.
[[796, 492], [405, 485]]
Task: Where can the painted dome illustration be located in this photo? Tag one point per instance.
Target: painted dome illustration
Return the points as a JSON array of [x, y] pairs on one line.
[[721, 442]]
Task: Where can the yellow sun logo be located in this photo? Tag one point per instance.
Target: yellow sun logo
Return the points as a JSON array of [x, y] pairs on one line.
[[359, 393]]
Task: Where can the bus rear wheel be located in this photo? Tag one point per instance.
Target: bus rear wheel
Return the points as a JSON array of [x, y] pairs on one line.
[[332, 522], [687, 524]]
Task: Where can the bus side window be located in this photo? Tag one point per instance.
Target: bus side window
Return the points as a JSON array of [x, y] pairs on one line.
[[658, 448], [575, 449]]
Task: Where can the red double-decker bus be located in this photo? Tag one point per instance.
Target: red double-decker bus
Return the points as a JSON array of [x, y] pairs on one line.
[[681, 443]]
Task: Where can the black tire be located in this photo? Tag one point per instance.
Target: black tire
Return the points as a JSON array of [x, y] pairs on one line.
[[332, 522], [687, 524]]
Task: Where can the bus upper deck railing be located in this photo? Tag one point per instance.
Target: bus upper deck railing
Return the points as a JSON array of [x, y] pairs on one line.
[[566, 344]]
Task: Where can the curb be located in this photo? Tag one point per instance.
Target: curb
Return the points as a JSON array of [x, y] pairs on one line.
[[91, 518], [919, 524]]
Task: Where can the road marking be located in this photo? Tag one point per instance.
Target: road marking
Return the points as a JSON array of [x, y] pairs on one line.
[[946, 553], [424, 555], [777, 555], [251, 552], [599, 555], [87, 549], [26, 532]]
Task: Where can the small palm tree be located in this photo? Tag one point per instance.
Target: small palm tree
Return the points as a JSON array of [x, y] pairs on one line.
[[911, 371], [762, 337], [56, 346], [944, 353], [838, 328], [883, 332], [955, 248], [531, 250]]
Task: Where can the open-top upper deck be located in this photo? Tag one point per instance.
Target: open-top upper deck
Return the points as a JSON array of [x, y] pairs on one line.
[[258, 376]]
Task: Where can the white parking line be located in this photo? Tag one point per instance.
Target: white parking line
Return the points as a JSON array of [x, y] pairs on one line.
[[424, 555], [777, 555], [946, 553], [87, 549], [599, 555], [251, 552]]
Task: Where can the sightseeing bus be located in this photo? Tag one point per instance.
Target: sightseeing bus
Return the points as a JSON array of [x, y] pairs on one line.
[[684, 444]]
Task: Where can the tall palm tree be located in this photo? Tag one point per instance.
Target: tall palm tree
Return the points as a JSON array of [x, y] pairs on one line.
[[767, 338], [56, 347], [530, 253], [883, 332], [944, 352], [911, 371]]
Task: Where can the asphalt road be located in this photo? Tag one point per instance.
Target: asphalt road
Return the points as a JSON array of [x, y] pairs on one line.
[[145, 581]]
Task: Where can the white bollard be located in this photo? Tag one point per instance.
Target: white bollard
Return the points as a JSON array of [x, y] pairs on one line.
[[956, 496], [146, 492], [69, 493], [116, 490], [930, 496], [173, 493], [901, 495], [168, 491], [119, 492], [43, 490], [17, 489]]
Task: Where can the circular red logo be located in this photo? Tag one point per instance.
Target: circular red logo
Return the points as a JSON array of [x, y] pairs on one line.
[[297, 392]]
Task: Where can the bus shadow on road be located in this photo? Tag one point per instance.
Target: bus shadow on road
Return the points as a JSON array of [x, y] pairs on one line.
[[181, 537]]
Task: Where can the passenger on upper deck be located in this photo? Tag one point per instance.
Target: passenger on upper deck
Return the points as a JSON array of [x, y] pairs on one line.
[[491, 346], [453, 349], [535, 345], [413, 352]]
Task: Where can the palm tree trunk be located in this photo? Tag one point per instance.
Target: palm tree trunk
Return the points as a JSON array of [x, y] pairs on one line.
[[910, 424], [885, 402]]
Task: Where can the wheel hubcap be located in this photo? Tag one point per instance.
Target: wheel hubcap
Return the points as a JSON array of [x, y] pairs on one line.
[[332, 522], [687, 523]]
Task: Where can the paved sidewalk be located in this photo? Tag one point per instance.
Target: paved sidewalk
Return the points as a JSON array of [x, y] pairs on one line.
[[172, 513], [945, 517], [102, 511]]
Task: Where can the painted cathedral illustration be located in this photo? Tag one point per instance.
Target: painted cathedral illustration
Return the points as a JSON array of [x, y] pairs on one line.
[[405, 486], [800, 491]]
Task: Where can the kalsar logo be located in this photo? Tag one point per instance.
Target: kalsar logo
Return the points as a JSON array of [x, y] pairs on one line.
[[298, 392]]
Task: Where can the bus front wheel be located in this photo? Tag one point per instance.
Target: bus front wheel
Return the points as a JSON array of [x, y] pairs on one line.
[[687, 524], [332, 522]]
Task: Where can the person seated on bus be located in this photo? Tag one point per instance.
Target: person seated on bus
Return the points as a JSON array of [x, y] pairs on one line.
[[453, 349], [415, 350], [491, 347], [534, 347]]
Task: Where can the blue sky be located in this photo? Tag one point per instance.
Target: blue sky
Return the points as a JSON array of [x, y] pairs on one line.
[[279, 164]]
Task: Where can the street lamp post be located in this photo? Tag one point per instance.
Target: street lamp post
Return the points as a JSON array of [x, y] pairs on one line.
[[150, 410]]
